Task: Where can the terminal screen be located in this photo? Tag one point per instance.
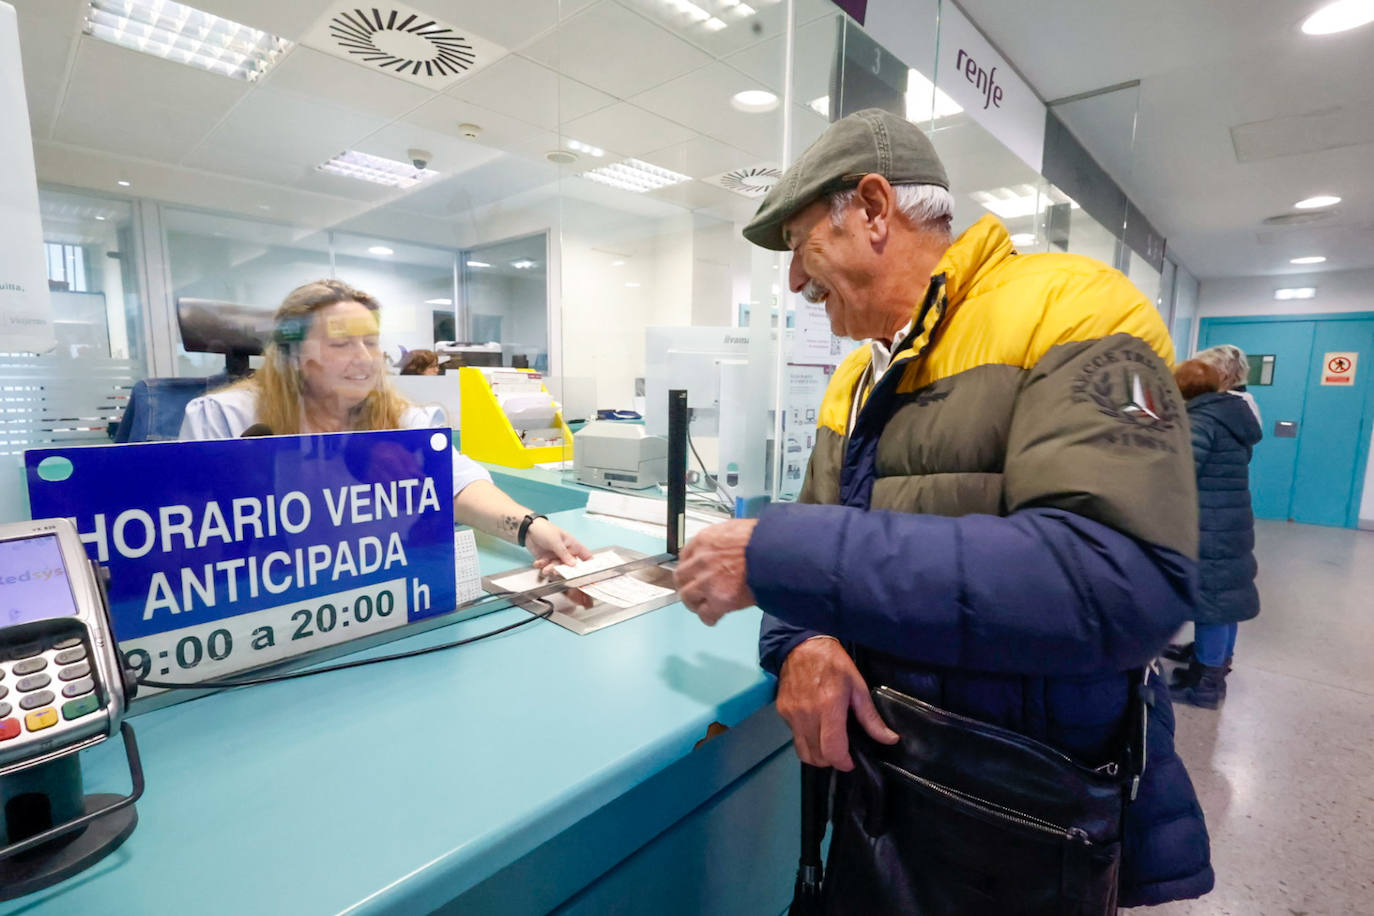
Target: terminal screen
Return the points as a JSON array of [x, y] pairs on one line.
[[33, 581]]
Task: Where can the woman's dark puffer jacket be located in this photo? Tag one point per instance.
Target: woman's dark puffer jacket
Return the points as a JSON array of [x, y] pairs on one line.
[[1224, 435]]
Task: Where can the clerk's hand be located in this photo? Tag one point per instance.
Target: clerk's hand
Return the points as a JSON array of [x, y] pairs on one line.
[[549, 544], [710, 575], [817, 687]]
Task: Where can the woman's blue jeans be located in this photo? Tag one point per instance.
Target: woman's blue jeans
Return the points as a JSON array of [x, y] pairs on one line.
[[1214, 643]]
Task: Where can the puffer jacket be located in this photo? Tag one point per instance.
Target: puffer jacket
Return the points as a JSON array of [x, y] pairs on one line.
[[1008, 529], [1225, 432]]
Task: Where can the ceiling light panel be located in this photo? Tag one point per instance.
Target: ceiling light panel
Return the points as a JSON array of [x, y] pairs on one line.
[[1340, 16], [366, 167], [1316, 203], [1295, 292], [404, 42], [1310, 259], [1020, 200], [634, 175], [185, 35]]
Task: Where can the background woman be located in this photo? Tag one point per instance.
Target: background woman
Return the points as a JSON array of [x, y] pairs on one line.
[[323, 372], [1224, 435]]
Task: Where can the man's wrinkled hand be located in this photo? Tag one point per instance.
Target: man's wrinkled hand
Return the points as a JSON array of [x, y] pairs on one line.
[[817, 687], [711, 577]]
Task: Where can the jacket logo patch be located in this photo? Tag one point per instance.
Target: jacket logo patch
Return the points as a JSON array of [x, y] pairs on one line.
[[927, 397], [1128, 387]]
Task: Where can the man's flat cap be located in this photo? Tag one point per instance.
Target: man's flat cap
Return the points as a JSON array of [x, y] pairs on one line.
[[867, 141]]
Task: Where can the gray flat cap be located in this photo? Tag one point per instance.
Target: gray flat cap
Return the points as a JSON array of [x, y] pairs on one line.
[[867, 141]]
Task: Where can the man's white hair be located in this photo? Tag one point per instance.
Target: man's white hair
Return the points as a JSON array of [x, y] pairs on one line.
[[927, 206], [1230, 363]]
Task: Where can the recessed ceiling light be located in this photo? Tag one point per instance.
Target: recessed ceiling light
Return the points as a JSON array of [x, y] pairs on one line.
[[1340, 16], [376, 169], [1321, 200], [587, 148], [522, 264], [695, 15], [101, 218], [381, 250], [185, 35], [754, 101], [1024, 239], [634, 175], [438, 302], [124, 183], [1312, 259], [1296, 292], [478, 264]]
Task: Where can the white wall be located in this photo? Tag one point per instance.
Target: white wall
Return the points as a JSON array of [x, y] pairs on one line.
[[1337, 291]]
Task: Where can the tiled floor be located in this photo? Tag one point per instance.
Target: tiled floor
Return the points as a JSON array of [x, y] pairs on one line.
[[1285, 770]]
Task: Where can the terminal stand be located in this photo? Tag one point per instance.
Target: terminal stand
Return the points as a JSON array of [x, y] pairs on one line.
[[52, 829]]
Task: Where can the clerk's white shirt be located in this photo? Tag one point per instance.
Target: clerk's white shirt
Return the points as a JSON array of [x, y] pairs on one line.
[[226, 414]]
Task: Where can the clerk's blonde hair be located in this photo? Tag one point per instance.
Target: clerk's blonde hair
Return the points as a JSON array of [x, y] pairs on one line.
[[278, 381]]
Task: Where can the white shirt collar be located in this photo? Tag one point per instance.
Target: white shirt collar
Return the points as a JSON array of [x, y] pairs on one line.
[[882, 353]]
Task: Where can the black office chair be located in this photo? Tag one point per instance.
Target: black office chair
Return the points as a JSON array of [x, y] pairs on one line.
[[158, 405]]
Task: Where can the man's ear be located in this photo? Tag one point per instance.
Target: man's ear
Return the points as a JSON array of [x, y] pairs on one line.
[[878, 200]]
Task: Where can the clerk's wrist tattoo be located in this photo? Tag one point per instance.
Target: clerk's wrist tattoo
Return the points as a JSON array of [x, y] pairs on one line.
[[510, 524]]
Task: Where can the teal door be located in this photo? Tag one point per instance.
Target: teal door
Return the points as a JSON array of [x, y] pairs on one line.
[[1310, 466]]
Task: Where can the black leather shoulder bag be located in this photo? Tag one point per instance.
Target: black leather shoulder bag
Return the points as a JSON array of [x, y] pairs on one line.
[[962, 817]]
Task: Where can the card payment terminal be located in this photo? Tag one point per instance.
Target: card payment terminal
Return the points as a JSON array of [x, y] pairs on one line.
[[62, 687]]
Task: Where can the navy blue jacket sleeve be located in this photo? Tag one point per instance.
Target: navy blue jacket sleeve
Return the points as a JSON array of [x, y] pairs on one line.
[[777, 639], [1039, 592], [1203, 434]]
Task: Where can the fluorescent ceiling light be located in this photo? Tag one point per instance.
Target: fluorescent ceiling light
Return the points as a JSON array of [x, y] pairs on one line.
[[438, 302], [376, 169], [1296, 292], [185, 35], [754, 101], [587, 148], [1024, 239], [634, 175], [926, 103], [522, 264], [124, 182], [381, 250], [1340, 16], [1312, 259], [1314, 203], [101, 218], [1020, 200], [695, 15], [478, 264]]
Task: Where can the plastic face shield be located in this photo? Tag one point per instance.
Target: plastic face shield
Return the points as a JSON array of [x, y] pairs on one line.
[[340, 357]]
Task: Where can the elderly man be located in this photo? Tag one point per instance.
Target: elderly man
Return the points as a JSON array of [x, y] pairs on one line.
[[999, 517]]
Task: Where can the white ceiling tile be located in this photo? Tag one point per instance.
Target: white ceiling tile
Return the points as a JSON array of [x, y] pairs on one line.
[[510, 23], [47, 35], [449, 154], [626, 129], [312, 73], [444, 113], [530, 92], [616, 50], [699, 157], [745, 24], [815, 49], [293, 127], [498, 179], [701, 100]]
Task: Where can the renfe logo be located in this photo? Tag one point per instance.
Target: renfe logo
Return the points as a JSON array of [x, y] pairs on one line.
[[982, 80]]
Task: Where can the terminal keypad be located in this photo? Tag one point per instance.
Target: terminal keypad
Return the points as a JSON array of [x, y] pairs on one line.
[[26, 674]]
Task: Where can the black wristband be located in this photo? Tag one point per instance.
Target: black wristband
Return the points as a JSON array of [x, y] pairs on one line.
[[525, 527]]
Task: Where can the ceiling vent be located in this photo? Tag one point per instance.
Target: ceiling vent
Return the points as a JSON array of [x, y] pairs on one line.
[[753, 181], [402, 41]]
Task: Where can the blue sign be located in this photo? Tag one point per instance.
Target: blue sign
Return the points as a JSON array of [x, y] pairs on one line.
[[230, 554]]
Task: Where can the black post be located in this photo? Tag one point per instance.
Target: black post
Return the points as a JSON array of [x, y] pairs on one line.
[[677, 469]]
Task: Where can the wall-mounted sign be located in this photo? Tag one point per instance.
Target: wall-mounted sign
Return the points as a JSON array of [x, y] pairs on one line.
[[25, 314], [1339, 369], [227, 555]]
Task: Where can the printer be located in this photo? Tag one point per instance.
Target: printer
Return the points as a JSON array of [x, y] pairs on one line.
[[609, 453]]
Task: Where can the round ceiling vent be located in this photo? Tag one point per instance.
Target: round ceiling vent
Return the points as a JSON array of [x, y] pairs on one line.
[[1296, 219], [751, 182], [561, 156], [402, 41]]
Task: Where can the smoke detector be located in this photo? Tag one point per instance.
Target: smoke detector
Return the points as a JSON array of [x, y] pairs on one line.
[[469, 130], [561, 156], [404, 42]]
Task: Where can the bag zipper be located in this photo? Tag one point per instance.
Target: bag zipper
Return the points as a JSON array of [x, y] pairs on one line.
[[1075, 834], [1110, 769]]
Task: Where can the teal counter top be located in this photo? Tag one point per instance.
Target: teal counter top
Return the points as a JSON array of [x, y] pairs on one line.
[[397, 787]]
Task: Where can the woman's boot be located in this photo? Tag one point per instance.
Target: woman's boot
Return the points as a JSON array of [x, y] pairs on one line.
[[1207, 692]]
